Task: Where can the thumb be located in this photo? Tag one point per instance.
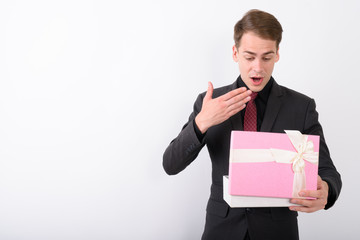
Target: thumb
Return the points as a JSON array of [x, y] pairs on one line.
[[209, 93], [319, 182]]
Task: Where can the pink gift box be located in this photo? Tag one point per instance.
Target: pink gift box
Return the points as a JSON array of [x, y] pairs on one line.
[[272, 164]]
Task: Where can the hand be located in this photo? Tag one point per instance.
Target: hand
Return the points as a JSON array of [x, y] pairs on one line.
[[217, 110], [312, 205]]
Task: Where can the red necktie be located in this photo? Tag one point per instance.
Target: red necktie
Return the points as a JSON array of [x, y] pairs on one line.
[[250, 114]]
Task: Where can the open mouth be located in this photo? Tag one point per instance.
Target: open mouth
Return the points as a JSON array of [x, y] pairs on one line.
[[257, 80]]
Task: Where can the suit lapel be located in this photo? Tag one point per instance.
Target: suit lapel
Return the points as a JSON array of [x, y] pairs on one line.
[[272, 108], [236, 122]]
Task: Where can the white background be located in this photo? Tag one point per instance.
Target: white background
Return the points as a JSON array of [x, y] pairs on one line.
[[92, 92]]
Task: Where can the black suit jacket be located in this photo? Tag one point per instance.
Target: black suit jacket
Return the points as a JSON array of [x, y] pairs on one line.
[[285, 110]]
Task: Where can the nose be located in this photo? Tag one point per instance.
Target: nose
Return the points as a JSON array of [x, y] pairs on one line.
[[257, 65]]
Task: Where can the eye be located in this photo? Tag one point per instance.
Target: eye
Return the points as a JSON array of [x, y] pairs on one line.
[[249, 58], [267, 59]]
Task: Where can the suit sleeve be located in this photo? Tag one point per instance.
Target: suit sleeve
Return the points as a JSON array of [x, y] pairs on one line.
[[327, 170], [186, 146]]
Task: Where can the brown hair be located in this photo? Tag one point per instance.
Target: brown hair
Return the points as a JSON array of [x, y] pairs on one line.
[[261, 23]]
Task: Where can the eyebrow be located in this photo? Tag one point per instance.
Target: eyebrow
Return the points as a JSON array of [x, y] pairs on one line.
[[252, 53]]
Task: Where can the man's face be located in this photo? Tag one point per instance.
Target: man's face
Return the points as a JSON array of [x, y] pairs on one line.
[[256, 58]]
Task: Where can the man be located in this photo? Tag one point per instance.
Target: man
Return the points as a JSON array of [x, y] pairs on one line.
[[219, 111]]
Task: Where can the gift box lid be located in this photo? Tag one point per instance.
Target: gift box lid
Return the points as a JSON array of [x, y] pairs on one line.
[[272, 164]]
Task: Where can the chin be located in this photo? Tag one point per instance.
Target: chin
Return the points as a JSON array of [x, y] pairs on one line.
[[256, 88]]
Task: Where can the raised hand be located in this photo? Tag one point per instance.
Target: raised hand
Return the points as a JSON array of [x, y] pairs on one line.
[[216, 110]]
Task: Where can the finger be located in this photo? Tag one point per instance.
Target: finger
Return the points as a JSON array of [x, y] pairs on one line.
[[241, 98], [238, 105], [234, 93], [235, 110], [303, 202], [319, 182], [209, 93], [308, 205], [302, 209], [311, 193]]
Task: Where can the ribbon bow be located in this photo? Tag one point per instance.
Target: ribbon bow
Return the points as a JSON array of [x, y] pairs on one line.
[[304, 151]]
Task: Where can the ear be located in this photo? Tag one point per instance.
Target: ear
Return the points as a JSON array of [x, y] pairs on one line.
[[235, 54], [277, 55]]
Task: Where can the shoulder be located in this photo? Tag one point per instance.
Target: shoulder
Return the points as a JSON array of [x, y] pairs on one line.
[[290, 94]]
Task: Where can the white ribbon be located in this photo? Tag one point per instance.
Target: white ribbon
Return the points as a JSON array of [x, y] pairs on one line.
[[304, 151]]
